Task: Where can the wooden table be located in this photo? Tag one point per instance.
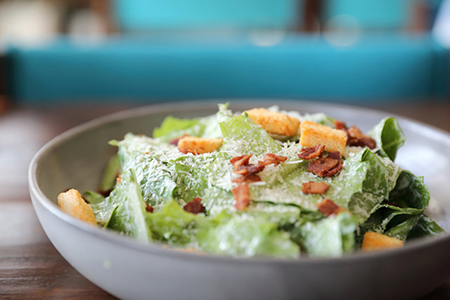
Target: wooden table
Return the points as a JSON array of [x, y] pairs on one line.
[[30, 267]]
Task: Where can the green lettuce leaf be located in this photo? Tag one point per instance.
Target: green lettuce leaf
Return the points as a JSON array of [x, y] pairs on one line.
[[401, 230], [410, 191], [93, 197], [425, 227], [245, 235], [207, 127], [177, 127], [242, 136], [172, 224], [328, 237], [388, 136], [128, 208], [146, 156], [406, 203], [283, 215]]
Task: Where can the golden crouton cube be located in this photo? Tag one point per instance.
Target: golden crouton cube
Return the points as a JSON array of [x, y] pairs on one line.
[[313, 134], [274, 122], [376, 241], [72, 204], [197, 145]]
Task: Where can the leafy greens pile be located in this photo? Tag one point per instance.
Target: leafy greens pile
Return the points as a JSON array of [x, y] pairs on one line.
[[280, 220]]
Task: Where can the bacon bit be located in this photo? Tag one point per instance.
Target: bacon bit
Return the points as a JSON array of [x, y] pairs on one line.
[[241, 195], [271, 158], [340, 125], [249, 178], [328, 207], [355, 137], [249, 169], [240, 160], [312, 187], [311, 152], [148, 208], [326, 167], [175, 141], [195, 206]]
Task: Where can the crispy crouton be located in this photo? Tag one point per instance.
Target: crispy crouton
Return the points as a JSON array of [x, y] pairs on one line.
[[313, 134], [72, 204], [196, 145], [376, 241], [274, 122]]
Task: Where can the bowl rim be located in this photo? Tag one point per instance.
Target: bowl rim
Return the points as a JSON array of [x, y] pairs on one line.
[[162, 250]]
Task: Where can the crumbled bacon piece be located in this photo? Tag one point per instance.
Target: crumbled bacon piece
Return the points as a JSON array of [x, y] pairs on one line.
[[241, 166], [311, 152], [148, 208], [238, 161], [328, 207], [249, 169], [340, 125], [195, 206], [326, 167], [271, 158], [241, 195], [312, 187], [175, 141], [355, 137]]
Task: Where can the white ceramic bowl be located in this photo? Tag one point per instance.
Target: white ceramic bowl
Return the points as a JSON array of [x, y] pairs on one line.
[[131, 270]]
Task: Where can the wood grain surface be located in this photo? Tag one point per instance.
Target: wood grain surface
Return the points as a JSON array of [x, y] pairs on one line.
[[30, 267]]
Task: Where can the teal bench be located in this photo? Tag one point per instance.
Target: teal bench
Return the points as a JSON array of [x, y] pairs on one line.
[[376, 68]]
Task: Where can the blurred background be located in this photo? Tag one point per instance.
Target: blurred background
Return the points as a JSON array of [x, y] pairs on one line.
[[350, 51]]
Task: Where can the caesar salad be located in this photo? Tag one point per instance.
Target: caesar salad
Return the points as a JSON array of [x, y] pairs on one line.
[[264, 182]]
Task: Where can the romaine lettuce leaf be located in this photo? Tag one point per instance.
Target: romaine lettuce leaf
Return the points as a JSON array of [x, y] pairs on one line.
[[283, 215], [242, 136], [128, 208], [245, 235], [425, 227], [328, 237], [93, 197], [172, 224], [388, 136], [406, 203], [207, 127], [410, 191], [172, 124], [363, 185], [148, 158], [401, 230]]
